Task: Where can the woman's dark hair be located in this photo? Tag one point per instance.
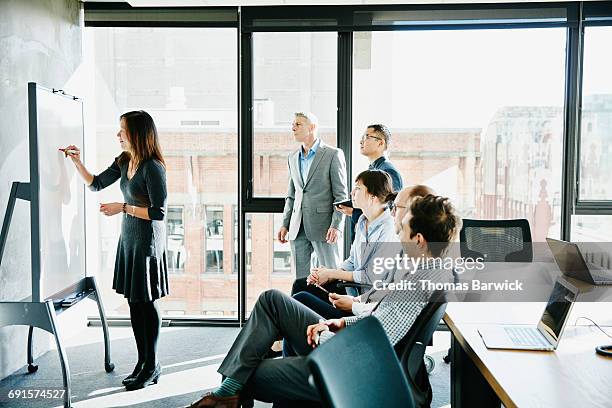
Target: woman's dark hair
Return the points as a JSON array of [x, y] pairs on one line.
[[378, 183], [434, 217], [143, 138]]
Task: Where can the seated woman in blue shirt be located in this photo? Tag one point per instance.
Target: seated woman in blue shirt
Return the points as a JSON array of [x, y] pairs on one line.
[[374, 232]]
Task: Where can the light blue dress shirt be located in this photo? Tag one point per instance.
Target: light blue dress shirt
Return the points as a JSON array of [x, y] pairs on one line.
[[368, 246], [306, 162]]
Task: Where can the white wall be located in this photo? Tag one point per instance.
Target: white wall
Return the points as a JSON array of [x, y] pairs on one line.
[[40, 41]]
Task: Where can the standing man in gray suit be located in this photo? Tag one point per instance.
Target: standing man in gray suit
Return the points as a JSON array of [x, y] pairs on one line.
[[317, 179]]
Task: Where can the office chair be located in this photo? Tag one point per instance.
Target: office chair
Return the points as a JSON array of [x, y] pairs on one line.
[[354, 288], [375, 378], [496, 240], [411, 349]]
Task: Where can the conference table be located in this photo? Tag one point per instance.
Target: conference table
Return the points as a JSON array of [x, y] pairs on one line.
[[572, 376]]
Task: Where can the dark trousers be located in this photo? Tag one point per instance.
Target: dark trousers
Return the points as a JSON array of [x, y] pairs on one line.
[[324, 308], [300, 285], [274, 316], [321, 307]]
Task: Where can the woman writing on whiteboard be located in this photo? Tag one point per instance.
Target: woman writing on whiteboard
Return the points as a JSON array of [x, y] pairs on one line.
[[141, 273]]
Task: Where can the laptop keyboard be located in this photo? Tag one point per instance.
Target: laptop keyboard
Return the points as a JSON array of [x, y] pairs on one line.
[[526, 336]]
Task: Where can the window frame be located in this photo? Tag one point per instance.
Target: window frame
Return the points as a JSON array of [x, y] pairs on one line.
[[595, 15]]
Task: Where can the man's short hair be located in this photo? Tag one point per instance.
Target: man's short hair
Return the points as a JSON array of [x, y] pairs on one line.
[[311, 117], [420, 190], [383, 132], [435, 218]]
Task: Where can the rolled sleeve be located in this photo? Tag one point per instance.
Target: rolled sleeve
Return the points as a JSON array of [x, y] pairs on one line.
[[347, 265], [358, 276], [362, 308]]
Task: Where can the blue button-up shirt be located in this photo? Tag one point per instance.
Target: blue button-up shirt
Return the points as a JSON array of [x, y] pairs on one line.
[[370, 245], [305, 162]]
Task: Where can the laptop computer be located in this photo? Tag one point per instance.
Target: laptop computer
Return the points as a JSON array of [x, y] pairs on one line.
[[570, 261], [546, 335]]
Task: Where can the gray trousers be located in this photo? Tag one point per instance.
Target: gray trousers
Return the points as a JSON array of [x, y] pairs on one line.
[[301, 252], [274, 316]]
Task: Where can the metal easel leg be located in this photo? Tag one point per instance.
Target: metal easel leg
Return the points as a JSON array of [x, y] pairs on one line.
[[108, 365], [32, 368]]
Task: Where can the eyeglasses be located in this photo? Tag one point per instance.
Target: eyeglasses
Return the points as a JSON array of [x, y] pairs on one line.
[[394, 206], [364, 137]]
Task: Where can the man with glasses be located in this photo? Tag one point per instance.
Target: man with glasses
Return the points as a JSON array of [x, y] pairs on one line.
[[317, 179], [402, 201], [374, 144]]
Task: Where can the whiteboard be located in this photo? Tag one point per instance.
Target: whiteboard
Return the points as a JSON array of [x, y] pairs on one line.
[[57, 192]]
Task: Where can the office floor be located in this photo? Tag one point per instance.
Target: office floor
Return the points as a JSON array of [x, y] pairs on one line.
[[189, 356]]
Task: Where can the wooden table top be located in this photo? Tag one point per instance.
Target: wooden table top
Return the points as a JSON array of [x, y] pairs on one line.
[[572, 376]]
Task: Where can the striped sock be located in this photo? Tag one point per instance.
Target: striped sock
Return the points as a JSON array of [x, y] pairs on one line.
[[228, 388]]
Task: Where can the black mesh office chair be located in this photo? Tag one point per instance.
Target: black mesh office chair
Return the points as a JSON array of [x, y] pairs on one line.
[[411, 349], [378, 381], [496, 240]]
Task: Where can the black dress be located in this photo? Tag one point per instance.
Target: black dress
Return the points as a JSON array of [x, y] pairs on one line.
[[141, 268]]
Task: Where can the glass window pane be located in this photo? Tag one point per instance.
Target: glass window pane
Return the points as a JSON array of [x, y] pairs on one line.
[[271, 261], [186, 78], [596, 121], [175, 239], [292, 72], [591, 228], [475, 114]]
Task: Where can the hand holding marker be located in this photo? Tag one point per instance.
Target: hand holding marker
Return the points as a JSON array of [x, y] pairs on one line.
[[71, 151], [67, 151]]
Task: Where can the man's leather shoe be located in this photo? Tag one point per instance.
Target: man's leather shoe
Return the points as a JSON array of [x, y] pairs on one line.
[[211, 400]]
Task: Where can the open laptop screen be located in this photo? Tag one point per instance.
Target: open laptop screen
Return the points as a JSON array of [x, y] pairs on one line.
[[568, 258], [557, 309]]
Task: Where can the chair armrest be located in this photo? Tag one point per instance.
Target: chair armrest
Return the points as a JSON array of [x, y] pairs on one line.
[[344, 284]]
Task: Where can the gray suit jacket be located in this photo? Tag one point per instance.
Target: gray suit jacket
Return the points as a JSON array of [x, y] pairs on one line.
[[311, 202]]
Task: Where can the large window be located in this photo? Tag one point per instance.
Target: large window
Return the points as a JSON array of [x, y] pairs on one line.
[[478, 115], [186, 78], [475, 114], [596, 121], [292, 72]]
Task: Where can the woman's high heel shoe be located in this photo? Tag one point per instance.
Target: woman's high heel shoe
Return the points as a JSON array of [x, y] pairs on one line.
[[132, 377], [145, 378]]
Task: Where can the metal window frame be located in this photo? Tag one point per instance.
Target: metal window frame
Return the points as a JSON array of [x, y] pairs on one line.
[[594, 14], [578, 16]]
